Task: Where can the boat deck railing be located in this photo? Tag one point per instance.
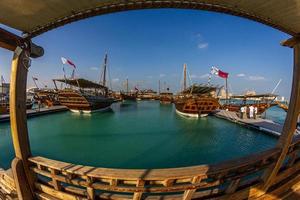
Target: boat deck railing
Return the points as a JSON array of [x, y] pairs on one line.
[[238, 177]]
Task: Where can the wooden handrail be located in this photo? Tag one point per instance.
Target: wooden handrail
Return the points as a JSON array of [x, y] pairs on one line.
[[226, 177], [154, 174]]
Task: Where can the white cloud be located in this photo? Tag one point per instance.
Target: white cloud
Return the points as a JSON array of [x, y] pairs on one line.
[[194, 76], [204, 76], [241, 75], [94, 68], [115, 80], [150, 77], [162, 75], [256, 78], [202, 45]]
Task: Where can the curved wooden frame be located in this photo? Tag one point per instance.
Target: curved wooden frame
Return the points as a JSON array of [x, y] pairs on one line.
[[118, 6], [22, 164]]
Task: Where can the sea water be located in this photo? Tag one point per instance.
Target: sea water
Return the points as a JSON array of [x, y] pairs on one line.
[[141, 134]]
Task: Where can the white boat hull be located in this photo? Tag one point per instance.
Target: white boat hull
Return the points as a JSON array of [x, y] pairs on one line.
[[90, 111], [190, 115]]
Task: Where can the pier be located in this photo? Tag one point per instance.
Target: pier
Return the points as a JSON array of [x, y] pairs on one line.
[[264, 125], [36, 112]]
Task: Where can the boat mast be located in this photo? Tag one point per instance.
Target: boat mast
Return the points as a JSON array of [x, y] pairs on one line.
[[104, 71], [34, 81], [127, 86], [158, 86], [184, 77], [2, 89]]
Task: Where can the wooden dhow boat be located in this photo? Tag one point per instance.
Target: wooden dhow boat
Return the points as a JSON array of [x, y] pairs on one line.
[[166, 97], [86, 97], [197, 101], [148, 94], [128, 96]]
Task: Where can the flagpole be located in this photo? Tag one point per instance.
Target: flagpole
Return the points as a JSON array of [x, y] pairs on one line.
[[226, 89]]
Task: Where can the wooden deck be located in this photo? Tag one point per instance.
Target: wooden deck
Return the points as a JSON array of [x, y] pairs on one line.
[[36, 112], [264, 125]]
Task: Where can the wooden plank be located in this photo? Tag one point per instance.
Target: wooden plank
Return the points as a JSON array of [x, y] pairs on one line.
[[56, 184], [188, 194], [58, 194], [139, 195]]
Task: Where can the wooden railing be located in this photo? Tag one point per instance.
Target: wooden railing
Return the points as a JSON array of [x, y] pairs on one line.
[[226, 180], [69, 181]]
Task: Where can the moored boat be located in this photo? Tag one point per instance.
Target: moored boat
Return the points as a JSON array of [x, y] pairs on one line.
[[198, 104], [86, 97], [196, 100], [129, 95], [261, 101], [166, 97]]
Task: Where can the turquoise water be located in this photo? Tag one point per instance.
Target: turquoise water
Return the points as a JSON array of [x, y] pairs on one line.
[[136, 135], [276, 114]]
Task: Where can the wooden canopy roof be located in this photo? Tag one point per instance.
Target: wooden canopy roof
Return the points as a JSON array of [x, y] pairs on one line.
[[37, 16], [82, 83], [267, 95]]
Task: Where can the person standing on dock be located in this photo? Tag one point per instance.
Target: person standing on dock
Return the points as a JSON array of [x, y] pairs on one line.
[[255, 112], [243, 112], [251, 111]]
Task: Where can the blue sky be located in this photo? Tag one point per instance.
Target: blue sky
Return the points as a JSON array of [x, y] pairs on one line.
[[147, 45]]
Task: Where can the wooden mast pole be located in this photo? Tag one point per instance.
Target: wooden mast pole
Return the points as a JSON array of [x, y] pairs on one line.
[[226, 82], [292, 115], [184, 77], [104, 71], [158, 86], [127, 86]]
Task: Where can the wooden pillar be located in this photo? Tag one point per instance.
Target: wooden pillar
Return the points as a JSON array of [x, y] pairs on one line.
[[292, 115], [19, 131]]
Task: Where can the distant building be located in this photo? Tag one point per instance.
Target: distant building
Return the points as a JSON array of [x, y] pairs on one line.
[[281, 99], [250, 92], [4, 89], [222, 94]]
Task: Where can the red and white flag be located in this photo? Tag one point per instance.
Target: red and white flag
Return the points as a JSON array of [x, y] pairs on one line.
[[218, 72], [66, 61]]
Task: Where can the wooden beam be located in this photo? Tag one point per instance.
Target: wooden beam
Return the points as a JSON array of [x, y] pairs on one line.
[[291, 42], [17, 101], [291, 119], [11, 41]]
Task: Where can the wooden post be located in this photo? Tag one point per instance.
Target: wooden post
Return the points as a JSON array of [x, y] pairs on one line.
[[188, 194], [291, 118], [19, 131]]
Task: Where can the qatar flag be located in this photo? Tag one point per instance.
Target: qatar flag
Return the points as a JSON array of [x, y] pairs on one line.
[[66, 61], [218, 72]]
